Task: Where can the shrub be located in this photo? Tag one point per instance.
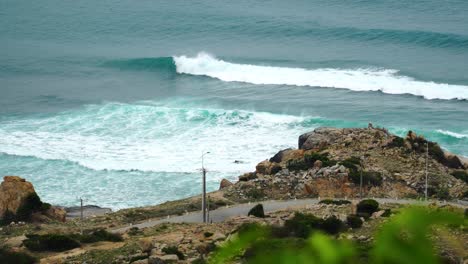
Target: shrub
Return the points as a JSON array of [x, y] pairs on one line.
[[7, 256], [310, 159], [332, 225], [99, 235], [387, 213], [255, 193], [271, 246], [301, 225], [443, 193], [354, 221], [368, 206], [8, 217], [368, 177], [257, 211], [134, 231], [174, 250], [32, 203], [50, 242], [207, 234], [373, 178], [397, 142], [461, 175], [335, 202], [296, 165]]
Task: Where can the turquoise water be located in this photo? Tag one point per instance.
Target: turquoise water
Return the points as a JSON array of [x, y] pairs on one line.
[[115, 101]]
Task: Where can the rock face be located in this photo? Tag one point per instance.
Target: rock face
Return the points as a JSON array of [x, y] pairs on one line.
[[225, 183], [331, 161], [13, 191]]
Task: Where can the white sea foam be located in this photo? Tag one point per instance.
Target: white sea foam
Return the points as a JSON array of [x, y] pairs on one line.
[[146, 137], [386, 81], [452, 134]]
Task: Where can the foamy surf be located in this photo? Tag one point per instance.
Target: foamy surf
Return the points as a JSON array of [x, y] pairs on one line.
[[452, 134], [384, 80]]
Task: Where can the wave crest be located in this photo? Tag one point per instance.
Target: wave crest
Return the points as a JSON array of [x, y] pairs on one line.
[[384, 80]]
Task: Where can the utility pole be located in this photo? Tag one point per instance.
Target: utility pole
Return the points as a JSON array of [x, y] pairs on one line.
[[360, 181], [81, 215], [427, 161], [204, 189], [81, 209]]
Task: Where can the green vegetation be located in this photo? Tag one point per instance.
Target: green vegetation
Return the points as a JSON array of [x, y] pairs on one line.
[[62, 242], [397, 142], [254, 193], [308, 162], [50, 242], [135, 231], [335, 202], [354, 221], [98, 235], [8, 256], [367, 207], [257, 211], [403, 239], [461, 175], [174, 250], [310, 159]]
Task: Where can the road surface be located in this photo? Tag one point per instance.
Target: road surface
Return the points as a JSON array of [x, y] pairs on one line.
[[222, 214]]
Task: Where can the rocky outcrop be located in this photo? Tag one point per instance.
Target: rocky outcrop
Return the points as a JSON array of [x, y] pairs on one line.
[[225, 183], [19, 202], [13, 192], [329, 163]]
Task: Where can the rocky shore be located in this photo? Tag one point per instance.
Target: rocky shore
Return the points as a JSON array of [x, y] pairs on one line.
[[330, 163]]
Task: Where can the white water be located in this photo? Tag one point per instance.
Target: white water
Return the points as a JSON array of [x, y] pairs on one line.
[[386, 81], [148, 137], [452, 134]]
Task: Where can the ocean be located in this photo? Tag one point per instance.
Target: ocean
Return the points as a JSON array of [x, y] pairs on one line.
[[115, 101]]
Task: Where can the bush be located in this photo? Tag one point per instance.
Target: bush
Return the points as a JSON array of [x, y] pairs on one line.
[[174, 250], [207, 234], [387, 213], [297, 165], [368, 177], [301, 225], [354, 221], [397, 142], [257, 211], [461, 175], [7, 256], [367, 207], [99, 235], [255, 193], [335, 202], [332, 225], [8, 217], [50, 242], [134, 231], [310, 159], [443, 193]]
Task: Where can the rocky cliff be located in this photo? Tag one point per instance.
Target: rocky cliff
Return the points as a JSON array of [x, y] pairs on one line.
[[19, 202], [332, 162]]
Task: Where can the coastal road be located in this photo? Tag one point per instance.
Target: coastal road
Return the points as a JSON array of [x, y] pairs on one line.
[[222, 214]]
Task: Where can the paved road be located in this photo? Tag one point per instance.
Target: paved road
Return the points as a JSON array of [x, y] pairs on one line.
[[222, 214]]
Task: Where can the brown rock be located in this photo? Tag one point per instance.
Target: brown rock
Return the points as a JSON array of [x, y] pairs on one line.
[[13, 191], [225, 183], [247, 176], [262, 167], [57, 213]]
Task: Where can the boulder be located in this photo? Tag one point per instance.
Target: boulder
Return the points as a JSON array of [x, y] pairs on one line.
[[248, 176], [319, 138], [262, 167], [13, 192], [57, 213], [225, 183], [278, 157]]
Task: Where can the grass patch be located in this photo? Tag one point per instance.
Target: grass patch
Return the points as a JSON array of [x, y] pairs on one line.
[[50, 242], [7, 256]]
